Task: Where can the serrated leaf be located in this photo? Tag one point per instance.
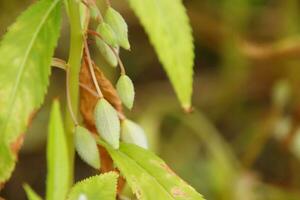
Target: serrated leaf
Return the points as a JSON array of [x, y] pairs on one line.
[[148, 176], [167, 25], [86, 147], [107, 123], [26, 52], [132, 133], [57, 157], [107, 34], [125, 90], [107, 52], [30, 193], [102, 187], [119, 26]]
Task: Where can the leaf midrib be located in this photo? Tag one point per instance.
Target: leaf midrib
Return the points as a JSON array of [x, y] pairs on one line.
[[150, 174], [19, 76]]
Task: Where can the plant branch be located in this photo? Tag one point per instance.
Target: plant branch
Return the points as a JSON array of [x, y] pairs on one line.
[[74, 62], [68, 96]]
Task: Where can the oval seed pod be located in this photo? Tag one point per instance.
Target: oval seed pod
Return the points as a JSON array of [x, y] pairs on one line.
[[134, 134], [94, 12], [107, 123], [107, 34], [107, 53], [119, 26], [86, 147], [125, 90]]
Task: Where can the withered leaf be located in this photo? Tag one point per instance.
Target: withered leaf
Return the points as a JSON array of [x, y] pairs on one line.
[[88, 100]]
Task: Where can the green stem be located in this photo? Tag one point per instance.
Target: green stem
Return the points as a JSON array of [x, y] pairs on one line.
[[74, 63]]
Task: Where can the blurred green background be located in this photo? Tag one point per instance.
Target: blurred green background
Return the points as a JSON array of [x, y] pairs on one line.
[[242, 142]]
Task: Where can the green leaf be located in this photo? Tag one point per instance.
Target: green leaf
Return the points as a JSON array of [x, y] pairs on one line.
[[86, 147], [119, 26], [167, 25], [125, 90], [31, 195], [148, 176], [133, 133], [57, 157], [26, 52], [102, 187], [107, 123]]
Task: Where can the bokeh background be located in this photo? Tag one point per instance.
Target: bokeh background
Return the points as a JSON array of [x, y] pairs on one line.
[[242, 142]]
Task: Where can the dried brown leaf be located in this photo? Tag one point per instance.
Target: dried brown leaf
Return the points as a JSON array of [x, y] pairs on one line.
[[88, 100]]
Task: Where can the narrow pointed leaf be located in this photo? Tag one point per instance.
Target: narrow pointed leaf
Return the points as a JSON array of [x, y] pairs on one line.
[[30, 193], [107, 123], [134, 134], [125, 90], [26, 52], [86, 147], [148, 176], [97, 187], [57, 157], [167, 25], [119, 26]]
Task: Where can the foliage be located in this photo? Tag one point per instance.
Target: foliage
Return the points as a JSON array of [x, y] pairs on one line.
[[148, 176], [172, 40], [27, 51], [96, 187], [25, 68], [57, 158]]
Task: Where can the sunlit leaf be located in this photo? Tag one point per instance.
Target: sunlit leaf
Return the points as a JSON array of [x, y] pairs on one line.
[[57, 157], [97, 187], [148, 176], [26, 51], [167, 25], [30, 193]]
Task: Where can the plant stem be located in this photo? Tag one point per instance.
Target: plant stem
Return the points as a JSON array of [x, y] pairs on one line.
[[74, 62]]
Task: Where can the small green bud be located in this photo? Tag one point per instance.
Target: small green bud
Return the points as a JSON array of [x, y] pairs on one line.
[[107, 123], [94, 12], [125, 90], [119, 26], [86, 147], [134, 134], [107, 53], [107, 34]]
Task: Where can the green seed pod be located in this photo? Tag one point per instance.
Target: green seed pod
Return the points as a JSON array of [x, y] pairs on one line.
[[107, 123], [86, 147], [125, 90], [119, 26], [107, 53], [107, 34], [94, 12], [134, 134]]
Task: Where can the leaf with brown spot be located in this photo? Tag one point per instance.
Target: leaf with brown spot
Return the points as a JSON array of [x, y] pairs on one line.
[[148, 176]]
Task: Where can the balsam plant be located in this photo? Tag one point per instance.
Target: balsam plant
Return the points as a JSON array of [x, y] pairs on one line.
[[27, 56]]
